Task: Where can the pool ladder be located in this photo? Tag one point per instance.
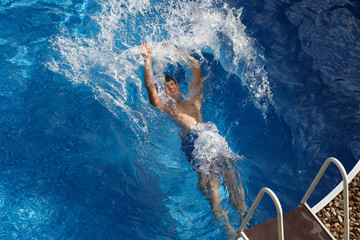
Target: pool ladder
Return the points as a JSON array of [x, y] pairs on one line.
[[302, 211]]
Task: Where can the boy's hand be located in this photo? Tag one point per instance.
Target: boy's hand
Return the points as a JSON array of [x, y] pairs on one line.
[[145, 50]]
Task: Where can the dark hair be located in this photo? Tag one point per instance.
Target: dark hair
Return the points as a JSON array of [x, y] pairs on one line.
[[168, 79]]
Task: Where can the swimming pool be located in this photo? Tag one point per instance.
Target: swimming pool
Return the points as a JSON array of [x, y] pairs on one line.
[[85, 156]]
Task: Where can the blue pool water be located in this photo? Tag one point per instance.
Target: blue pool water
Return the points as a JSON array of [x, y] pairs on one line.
[[85, 156]]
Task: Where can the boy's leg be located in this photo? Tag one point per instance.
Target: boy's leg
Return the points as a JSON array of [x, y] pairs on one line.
[[209, 186], [236, 192]]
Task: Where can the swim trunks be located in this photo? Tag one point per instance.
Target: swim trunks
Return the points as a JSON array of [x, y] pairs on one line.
[[188, 146], [205, 148]]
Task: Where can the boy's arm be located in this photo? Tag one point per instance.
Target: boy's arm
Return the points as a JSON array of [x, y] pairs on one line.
[[149, 83], [196, 84]]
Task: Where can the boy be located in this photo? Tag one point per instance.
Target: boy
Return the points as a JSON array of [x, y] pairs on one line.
[[187, 114]]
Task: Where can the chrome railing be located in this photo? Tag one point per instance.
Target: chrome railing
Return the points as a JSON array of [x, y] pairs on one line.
[[345, 189], [303, 202], [253, 207]]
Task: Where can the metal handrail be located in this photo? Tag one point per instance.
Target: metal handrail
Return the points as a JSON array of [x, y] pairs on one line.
[[345, 186], [278, 210]]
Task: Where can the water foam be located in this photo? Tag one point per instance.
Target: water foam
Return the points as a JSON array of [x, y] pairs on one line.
[[107, 57], [211, 149]]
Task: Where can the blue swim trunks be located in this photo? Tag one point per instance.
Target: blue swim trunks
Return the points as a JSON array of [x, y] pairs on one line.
[[206, 149], [188, 146]]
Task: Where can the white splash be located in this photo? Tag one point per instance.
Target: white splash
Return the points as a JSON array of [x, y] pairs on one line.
[[108, 59], [211, 149]]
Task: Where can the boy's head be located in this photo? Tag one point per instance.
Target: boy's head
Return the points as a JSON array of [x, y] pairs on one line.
[[172, 87], [168, 79]]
